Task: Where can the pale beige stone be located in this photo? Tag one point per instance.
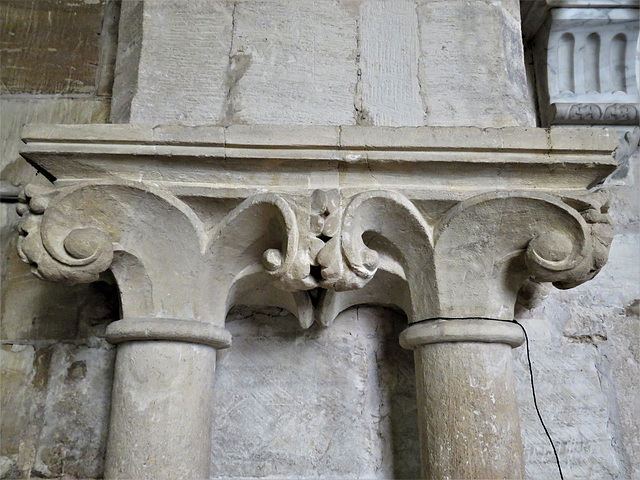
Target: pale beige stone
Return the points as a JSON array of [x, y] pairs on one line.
[[183, 50], [468, 411], [161, 411], [370, 244], [463, 79], [388, 83], [292, 63]]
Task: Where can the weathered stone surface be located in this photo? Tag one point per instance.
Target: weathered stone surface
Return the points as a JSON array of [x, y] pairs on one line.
[[388, 80], [51, 46], [463, 81], [58, 396], [358, 244], [32, 309], [54, 414], [18, 112], [183, 62], [20, 381], [469, 423], [161, 411], [78, 382], [323, 403], [291, 63], [127, 66], [586, 362], [598, 371]]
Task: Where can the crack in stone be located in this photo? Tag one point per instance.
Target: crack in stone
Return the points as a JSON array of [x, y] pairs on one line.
[[238, 65]]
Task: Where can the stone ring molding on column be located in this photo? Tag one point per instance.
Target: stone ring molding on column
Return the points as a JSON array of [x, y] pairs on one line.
[[444, 222]]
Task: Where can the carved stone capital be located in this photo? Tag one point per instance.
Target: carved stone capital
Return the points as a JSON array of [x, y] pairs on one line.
[[499, 240], [456, 236], [59, 250]]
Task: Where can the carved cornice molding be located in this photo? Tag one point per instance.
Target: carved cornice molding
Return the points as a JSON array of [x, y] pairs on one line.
[[595, 114], [436, 241]]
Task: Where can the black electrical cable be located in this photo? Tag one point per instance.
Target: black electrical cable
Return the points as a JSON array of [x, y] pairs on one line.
[[533, 387], [535, 401]]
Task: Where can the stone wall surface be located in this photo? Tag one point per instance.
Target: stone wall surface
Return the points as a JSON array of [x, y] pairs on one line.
[[586, 360], [55, 384], [322, 403], [366, 62]]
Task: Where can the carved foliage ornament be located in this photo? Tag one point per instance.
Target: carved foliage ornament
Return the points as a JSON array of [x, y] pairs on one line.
[[476, 256], [596, 113]]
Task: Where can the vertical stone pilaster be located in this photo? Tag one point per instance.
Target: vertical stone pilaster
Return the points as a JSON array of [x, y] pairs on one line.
[[467, 404]]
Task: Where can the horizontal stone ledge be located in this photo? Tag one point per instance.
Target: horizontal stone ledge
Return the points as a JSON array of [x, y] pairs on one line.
[[168, 329], [336, 137], [274, 158], [462, 330]]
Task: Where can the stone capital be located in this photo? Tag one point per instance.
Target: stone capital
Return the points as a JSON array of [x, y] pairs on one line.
[[456, 237]]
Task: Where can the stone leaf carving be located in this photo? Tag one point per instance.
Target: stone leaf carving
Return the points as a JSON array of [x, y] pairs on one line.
[[380, 230], [473, 263], [73, 234], [487, 246], [264, 229], [161, 255], [259, 255]]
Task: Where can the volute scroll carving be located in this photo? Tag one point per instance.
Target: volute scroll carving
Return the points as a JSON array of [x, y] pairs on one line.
[[73, 234], [57, 249], [505, 238], [272, 248]]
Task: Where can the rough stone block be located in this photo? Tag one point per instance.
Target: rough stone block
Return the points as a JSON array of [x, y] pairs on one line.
[[472, 64], [388, 85], [50, 46], [183, 63], [58, 396], [337, 402], [292, 62]]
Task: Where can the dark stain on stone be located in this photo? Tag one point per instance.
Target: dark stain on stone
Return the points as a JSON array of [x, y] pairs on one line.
[[238, 66], [98, 309], [41, 365], [633, 309], [77, 371], [591, 339]]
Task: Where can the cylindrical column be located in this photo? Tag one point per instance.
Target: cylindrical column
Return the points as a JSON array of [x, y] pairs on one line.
[[161, 402], [467, 404]]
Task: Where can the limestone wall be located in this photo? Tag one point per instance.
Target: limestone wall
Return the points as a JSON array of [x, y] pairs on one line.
[[57, 67], [323, 403]]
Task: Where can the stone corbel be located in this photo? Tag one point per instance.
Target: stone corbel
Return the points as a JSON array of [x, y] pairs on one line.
[[450, 243]]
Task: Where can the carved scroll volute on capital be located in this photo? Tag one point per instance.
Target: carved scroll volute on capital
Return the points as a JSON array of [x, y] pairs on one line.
[[262, 244], [487, 246], [54, 244], [379, 231], [73, 234]]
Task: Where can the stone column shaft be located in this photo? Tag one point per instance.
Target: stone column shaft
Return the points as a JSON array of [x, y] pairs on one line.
[[162, 400], [467, 404]]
